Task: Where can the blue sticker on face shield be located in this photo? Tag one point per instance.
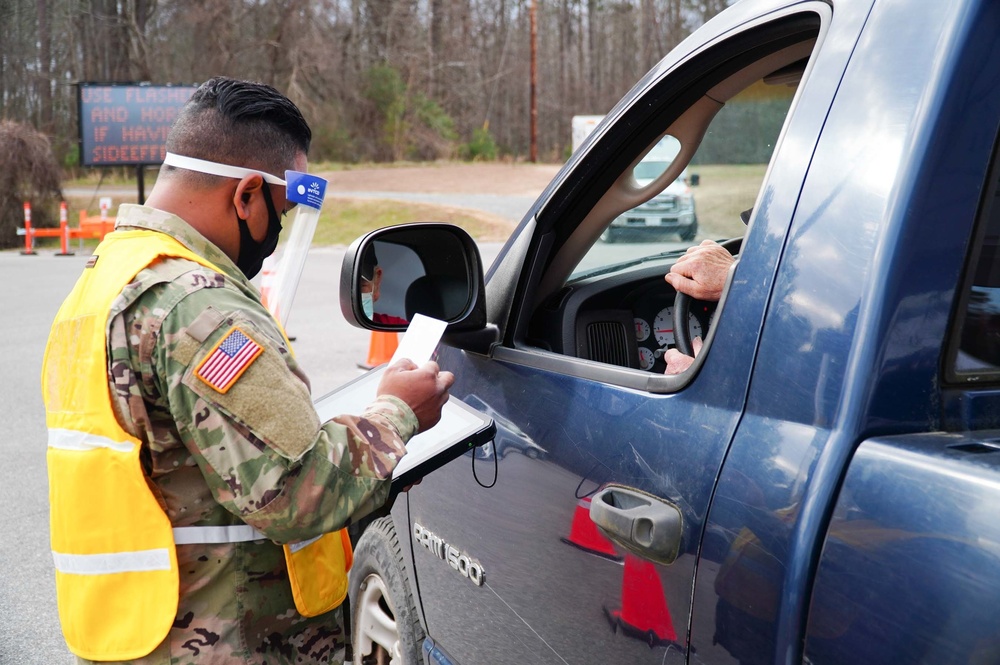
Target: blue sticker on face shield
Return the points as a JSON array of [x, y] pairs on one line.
[[305, 189]]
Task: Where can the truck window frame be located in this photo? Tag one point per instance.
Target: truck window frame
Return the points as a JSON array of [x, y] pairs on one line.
[[629, 139]]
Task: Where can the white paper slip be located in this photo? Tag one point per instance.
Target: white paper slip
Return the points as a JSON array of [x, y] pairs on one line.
[[420, 340]]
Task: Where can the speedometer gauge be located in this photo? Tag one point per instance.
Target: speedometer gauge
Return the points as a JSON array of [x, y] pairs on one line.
[[663, 326]]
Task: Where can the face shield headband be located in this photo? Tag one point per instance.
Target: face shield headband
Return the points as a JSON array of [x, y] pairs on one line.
[[215, 168]]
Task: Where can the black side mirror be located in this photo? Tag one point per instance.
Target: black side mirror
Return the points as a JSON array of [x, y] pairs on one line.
[[390, 274]]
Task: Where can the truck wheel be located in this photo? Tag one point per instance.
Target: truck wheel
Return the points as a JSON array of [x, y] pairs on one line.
[[689, 232], [385, 627]]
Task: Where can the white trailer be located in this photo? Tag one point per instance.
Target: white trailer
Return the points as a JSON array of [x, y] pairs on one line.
[[583, 125]]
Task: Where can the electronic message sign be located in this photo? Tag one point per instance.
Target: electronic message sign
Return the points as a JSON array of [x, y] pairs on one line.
[[127, 125]]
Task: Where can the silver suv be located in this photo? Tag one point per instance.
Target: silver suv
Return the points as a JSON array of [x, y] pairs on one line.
[[669, 211]]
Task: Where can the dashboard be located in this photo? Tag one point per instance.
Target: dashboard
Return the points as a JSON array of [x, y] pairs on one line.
[[623, 319]]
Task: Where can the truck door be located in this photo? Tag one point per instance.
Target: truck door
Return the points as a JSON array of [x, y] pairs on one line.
[[855, 497], [577, 385]]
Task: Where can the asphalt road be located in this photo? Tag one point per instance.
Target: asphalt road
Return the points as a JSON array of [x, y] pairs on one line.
[[328, 347]]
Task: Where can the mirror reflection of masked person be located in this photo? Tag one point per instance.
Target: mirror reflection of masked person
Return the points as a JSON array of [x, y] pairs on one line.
[[371, 287]]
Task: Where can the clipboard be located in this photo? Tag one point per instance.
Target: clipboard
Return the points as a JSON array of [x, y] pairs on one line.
[[460, 429]]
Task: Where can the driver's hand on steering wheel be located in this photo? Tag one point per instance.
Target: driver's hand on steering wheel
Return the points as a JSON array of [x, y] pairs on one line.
[[677, 362], [701, 272]]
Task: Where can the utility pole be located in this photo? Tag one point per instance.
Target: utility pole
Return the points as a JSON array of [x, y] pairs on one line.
[[533, 154]]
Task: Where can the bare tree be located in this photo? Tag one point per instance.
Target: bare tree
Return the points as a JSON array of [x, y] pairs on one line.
[[378, 79], [28, 173]]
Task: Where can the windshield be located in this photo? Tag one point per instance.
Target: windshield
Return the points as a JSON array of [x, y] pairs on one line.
[[721, 180]]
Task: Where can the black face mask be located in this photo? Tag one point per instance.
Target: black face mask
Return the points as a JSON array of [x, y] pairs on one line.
[[253, 253]]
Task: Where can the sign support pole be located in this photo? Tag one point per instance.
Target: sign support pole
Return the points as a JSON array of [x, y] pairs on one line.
[[139, 178]]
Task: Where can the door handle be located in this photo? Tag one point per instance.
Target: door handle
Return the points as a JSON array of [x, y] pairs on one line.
[[641, 523]]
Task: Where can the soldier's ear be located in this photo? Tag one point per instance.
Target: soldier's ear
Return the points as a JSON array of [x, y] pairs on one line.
[[243, 197]]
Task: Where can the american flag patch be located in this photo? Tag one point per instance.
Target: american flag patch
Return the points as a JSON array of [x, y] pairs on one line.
[[228, 360]]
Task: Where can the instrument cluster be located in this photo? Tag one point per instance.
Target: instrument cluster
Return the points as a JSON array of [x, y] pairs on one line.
[[654, 326]]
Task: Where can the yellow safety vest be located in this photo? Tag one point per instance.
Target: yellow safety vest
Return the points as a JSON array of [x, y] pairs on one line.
[[113, 546]]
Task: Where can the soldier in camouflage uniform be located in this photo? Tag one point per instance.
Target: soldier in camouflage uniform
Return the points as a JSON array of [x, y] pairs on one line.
[[256, 454]]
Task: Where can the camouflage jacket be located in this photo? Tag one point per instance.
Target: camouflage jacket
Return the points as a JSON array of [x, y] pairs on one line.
[[256, 454]]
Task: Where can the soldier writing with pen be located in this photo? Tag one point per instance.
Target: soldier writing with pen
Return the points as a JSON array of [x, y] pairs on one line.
[[196, 498]]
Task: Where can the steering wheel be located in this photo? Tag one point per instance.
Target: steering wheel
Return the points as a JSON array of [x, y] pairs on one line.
[[682, 307]]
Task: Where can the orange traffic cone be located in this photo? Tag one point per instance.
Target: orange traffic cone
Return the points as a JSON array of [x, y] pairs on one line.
[[643, 614], [268, 274], [583, 534], [29, 239], [63, 231], [380, 348]]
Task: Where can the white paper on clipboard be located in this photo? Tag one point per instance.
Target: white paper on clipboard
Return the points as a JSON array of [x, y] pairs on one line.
[[459, 422]]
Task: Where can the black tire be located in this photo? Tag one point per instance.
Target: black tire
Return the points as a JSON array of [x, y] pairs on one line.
[[690, 232], [384, 619]]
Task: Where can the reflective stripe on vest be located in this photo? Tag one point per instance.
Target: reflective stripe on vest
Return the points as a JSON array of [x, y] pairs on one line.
[[113, 546], [67, 439], [120, 562], [124, 562], [213, 535]]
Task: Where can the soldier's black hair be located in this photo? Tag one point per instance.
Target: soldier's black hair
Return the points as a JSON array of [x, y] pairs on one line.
[[241, 123]]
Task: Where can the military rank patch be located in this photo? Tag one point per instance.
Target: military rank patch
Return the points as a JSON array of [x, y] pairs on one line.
[[228, 360]]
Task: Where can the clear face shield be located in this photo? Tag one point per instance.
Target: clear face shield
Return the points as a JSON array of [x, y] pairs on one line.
[[304, 193]]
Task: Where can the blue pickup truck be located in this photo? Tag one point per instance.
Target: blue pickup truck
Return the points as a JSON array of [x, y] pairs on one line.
[[823, 484]]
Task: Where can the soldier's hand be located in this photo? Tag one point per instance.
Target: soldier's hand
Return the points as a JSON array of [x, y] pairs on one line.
[[701, 272], [424, 389]]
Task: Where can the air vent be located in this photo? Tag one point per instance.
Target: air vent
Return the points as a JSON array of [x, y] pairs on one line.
[[607, 342]]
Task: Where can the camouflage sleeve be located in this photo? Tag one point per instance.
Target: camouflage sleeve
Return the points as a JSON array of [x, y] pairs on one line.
[[244, 412]]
